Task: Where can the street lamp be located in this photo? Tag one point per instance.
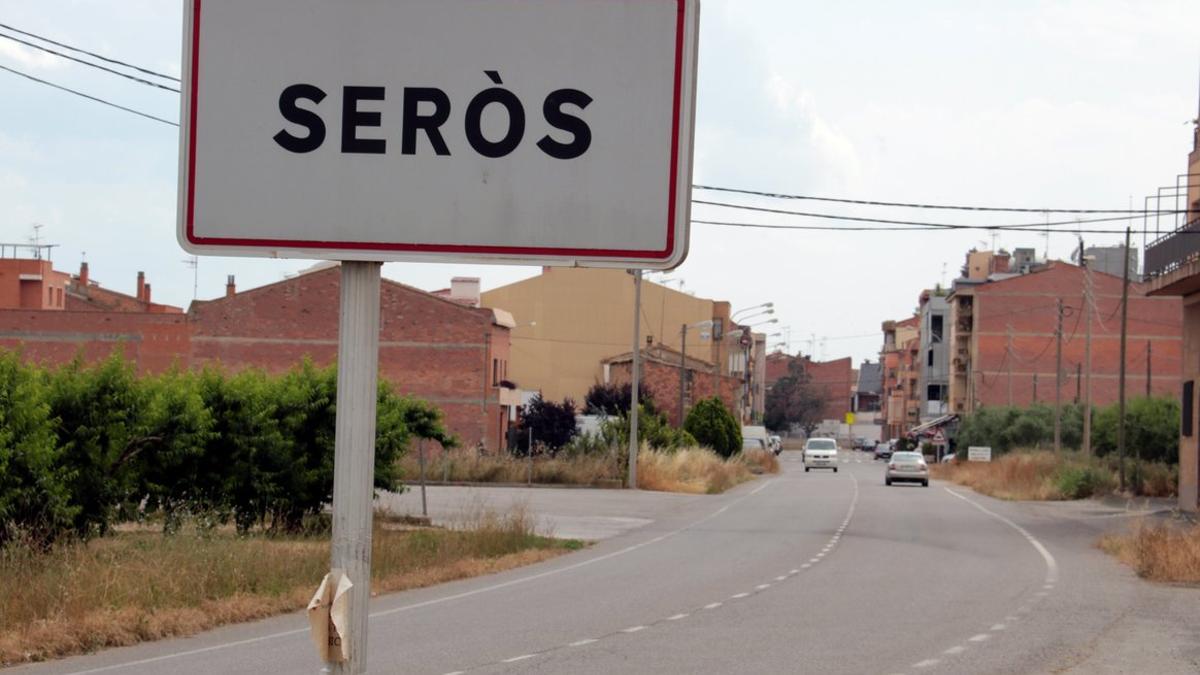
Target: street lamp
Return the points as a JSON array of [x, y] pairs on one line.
[[765, 305], [683, 360], [763, 323]]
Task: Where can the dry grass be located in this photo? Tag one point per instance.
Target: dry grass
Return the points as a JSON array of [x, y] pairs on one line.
[[1159, 552], [1018, 476], [694, 471], [468, 466], [138, 586], [1038, 476], [760, 462]]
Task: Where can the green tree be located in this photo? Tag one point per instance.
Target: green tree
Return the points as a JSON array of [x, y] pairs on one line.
[[794, 401], [99, 418], [35, 503], [712, 425], [553, 425], [174, 471], [1151, 429]]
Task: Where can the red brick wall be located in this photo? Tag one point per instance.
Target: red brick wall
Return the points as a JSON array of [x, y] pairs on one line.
[[153, 341], [430, 348], [662, 382], [1028, 305], [836, 378]]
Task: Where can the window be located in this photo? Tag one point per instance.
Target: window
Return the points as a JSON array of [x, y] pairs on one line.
[[933, 392], [495, 372], [50, 296], [935, 330], [58, 296], [930, 359]]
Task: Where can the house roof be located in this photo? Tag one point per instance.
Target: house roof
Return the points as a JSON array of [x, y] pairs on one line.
[[663, 354], [870, 378]]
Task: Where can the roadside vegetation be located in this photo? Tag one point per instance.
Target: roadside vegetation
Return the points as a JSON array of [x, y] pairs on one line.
[[1024, 468], [705, 456], [86, 447], [137, 585], [1042, 475], [1164, 552]]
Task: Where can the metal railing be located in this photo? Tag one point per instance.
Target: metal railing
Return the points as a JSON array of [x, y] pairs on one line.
[[1171, 251]]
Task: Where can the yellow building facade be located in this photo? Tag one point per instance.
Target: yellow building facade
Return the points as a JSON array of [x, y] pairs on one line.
[[570, 319]]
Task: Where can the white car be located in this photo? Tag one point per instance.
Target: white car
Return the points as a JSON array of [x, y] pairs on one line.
[[820, 453]]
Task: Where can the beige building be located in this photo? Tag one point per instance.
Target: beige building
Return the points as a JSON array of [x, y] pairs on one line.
[[1173, 263], [569, 320]]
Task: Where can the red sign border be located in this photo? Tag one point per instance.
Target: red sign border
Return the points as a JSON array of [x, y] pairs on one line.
[[300, 244]]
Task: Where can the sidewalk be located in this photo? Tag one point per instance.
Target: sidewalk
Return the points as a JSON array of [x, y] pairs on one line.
[[590, 515]]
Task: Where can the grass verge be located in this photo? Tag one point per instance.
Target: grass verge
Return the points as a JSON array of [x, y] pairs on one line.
[[691, 470], [1158, 552], [694, 471], [1047, 476], [139, 586], [468, 466]]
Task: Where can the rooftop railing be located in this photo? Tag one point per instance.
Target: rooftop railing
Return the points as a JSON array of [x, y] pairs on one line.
[[1171, 251]]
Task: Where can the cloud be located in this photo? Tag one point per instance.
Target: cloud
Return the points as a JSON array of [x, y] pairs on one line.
[[835, 149], [28, 57]]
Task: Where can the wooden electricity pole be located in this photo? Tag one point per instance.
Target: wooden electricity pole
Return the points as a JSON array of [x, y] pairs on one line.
[[1121, 377], [1010, 358], [1087, 360], [1058, 376], [1149, 370]]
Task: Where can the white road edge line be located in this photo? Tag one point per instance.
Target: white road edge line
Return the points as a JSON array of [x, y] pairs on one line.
[[523, 657], [677, 617], [633, 629], [580, 643], [713, 605], [1051, 563]]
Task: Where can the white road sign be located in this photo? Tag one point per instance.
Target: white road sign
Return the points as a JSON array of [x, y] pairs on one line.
[[516, 131], [979, 454]]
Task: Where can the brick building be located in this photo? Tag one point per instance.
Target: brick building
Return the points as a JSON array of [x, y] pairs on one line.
[[835, 379], [445, 352], [660, 376], [449, 353], [1003, 338], [899, 377]]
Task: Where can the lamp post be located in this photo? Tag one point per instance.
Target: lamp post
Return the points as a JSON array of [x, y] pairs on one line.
[[683, 361]]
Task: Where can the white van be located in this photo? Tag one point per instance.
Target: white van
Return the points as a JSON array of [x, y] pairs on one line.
[[756, 437]]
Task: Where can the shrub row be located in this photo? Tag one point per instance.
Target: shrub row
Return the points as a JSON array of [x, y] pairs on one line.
[[83, 447], [1151, 427]]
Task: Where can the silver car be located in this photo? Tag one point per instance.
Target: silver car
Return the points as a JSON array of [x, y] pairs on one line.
[[907, 467]]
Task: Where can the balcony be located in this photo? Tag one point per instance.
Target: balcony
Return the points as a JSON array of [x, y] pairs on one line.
[[1171, 251]]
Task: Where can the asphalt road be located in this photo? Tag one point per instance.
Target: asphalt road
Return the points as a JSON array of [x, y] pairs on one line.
[[799, 573]]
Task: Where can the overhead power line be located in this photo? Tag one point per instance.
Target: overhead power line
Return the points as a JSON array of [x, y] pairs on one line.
[[94, 55], [90, 64], [887, 228], [87, 96], [1037, 227], [912, 205]]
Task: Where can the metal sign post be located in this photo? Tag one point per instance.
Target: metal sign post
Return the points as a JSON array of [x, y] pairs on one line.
[[544, 133], [354, 447]]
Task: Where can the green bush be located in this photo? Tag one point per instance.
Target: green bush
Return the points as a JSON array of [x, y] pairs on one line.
[[1151, 429], [35, 504], [1081, 482], [87, 446], [712, 425], [1004, 429], [654, 430]]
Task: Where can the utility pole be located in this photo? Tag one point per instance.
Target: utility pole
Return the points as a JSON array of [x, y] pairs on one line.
[[1009, 359], [1058, 376], [1035, 384], [637, 365], [1149, 371], [1121, 379], [718, 333], [1087, 357], [1078, 383], [682, 369]]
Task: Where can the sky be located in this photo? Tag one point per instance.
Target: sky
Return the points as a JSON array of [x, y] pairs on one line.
[[1026, 103]]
